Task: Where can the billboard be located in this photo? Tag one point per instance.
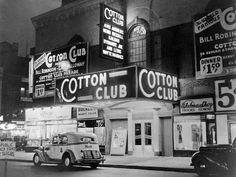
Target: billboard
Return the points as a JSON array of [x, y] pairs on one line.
[[112, 27], [215, 43], [62, 62], [128, 82]]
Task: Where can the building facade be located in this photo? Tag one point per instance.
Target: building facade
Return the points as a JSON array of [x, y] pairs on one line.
[[157, 35], [14, 95]]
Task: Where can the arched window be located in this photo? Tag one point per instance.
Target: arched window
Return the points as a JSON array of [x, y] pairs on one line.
[[137, 45]]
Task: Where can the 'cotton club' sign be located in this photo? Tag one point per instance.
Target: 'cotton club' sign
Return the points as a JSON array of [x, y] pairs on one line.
[[117, 84], [156, 85], [112, 27]]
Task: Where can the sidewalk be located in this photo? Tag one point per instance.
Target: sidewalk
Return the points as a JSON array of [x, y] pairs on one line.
[[181, 164]]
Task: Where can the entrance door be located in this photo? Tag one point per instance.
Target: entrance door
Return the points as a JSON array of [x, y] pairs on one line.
[[143, 138], [166, 136]]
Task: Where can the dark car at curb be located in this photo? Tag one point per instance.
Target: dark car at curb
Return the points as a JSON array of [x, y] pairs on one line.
[[219, 160]]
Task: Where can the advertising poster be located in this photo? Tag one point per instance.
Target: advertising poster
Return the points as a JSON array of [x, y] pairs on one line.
[[59, 63], [112, 30], [118, 142], [215, 43]]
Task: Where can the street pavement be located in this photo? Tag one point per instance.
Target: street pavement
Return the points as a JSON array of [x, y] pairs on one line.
[[21, 169], [179, 164]]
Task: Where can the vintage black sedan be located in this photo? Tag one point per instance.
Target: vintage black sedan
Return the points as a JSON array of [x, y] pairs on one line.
[[215, 159]]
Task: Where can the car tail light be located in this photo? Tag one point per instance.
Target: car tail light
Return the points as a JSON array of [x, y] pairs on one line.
[[82, 154]]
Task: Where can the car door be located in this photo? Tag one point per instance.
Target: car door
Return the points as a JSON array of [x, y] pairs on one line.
[[63, 146], [52, 149]]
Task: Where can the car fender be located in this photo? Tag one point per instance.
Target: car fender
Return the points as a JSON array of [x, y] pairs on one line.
[[41, 155], [196, 157], [72, 156]]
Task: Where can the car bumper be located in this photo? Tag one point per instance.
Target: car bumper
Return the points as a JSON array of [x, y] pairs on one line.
[[89, 161]]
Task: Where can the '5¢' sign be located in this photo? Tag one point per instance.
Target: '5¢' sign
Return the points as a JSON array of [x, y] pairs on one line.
[[225, 92]]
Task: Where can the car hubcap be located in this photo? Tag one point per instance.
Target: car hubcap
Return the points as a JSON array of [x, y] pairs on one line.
[[67, 162], [36, 159]]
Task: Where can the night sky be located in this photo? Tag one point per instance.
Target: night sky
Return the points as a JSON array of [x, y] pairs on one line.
[[15, 21]]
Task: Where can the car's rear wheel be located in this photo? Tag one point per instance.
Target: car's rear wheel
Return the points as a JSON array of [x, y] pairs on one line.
[[67, 161], [94, 165], [36, 160]]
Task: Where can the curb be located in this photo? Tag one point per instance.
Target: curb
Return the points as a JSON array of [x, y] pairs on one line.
[[185, 170]]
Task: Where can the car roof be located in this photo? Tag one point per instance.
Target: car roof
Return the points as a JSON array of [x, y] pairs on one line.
[[76, 137]]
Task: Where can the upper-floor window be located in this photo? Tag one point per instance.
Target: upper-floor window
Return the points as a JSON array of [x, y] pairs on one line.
[[137, 45]]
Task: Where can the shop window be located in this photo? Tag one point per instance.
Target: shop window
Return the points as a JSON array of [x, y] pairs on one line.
[[137, 45], [138, 134], [210, 129], [96, 126], [191, 132]]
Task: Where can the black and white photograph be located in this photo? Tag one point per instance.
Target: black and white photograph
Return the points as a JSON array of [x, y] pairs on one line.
[[110, 88]]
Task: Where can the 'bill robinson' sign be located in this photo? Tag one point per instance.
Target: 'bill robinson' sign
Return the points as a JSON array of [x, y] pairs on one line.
[[63, 62], [117, 84], [215, 43]]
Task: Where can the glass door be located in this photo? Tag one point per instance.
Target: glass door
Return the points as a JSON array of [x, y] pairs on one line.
[[143, 138]]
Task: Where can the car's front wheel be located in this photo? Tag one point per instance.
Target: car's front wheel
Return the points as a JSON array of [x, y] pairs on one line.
[[36, 160], [201, 168], [67, 161], [94, 165]]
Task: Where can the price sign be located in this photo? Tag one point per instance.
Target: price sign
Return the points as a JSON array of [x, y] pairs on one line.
[[225, 92], [211, 65]]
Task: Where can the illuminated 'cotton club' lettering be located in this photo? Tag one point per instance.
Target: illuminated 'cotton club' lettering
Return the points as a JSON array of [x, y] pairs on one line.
[[148, 95], [112, 92], [73, 53], [72, 89]]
